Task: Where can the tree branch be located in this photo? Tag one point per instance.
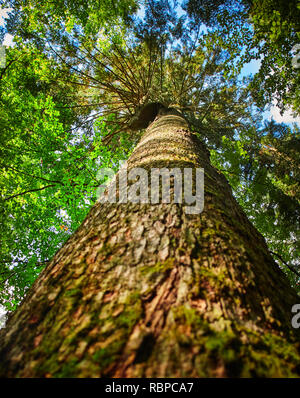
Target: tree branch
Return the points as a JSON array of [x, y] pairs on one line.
[[290, 267], [30, 190]]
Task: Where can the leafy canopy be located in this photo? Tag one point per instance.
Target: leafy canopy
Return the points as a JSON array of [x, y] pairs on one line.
[[264, 30]]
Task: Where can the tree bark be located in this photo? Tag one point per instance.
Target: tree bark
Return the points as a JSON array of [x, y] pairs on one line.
[[147, 290]]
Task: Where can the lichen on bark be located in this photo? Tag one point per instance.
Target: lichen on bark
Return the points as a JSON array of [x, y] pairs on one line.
[[146, 290]]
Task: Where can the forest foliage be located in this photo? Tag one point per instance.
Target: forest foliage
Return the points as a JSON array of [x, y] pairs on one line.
[[79, 75]]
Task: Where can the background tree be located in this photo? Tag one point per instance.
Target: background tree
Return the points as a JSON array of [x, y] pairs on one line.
[[262, 168], [49, 167], [265, 30]]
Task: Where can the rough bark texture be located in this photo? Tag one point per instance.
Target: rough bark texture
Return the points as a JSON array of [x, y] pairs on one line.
[[145, 290]]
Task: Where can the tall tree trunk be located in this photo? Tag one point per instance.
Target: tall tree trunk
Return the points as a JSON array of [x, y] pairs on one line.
[[147, 290]]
